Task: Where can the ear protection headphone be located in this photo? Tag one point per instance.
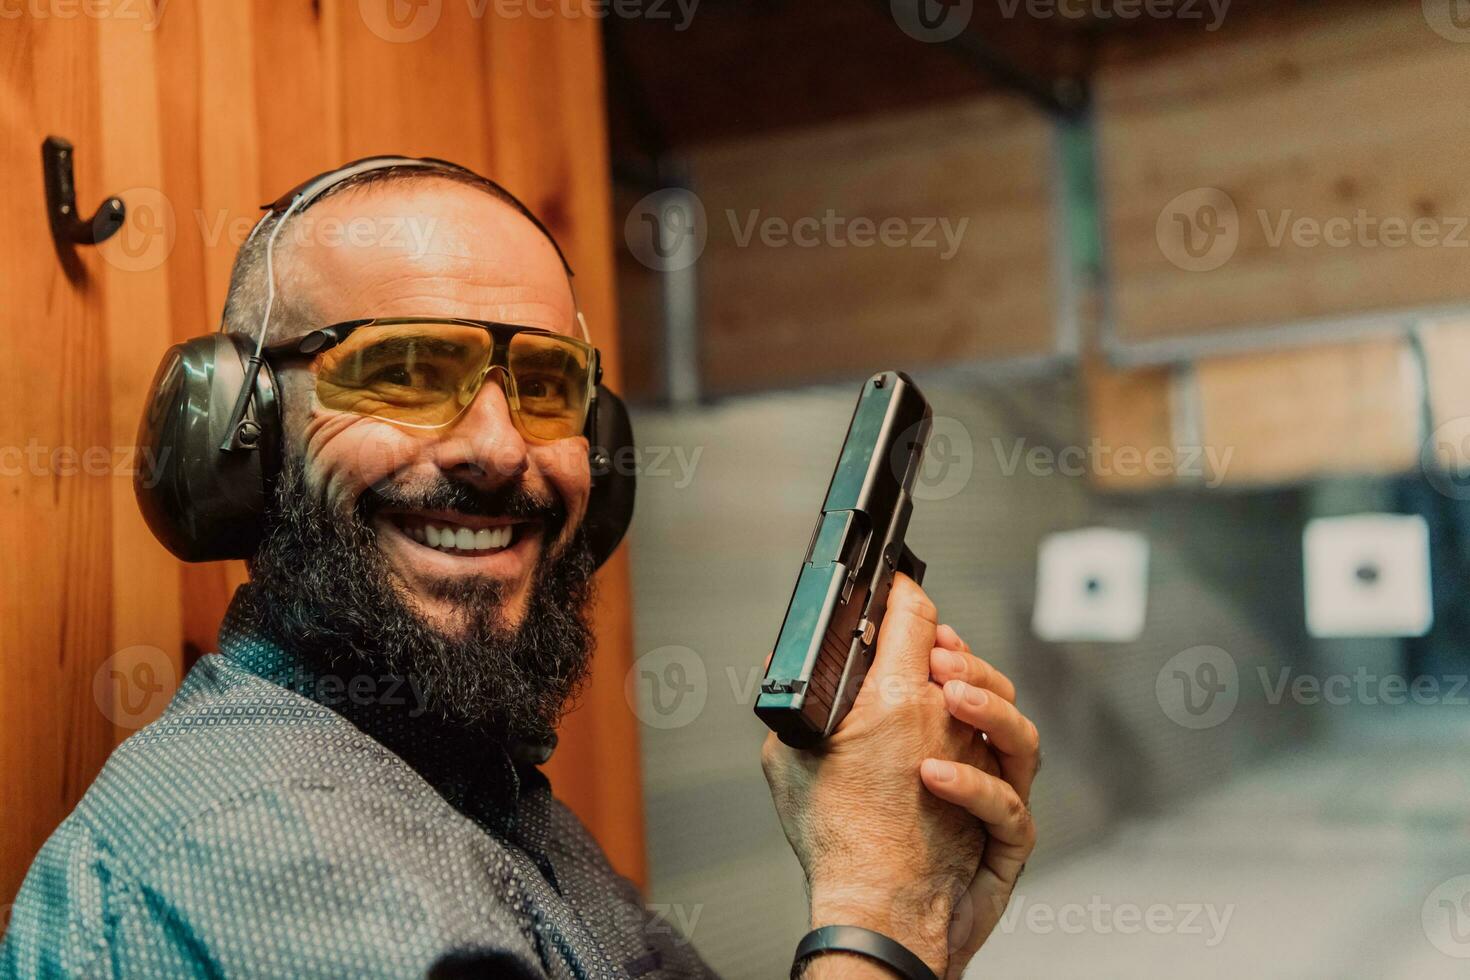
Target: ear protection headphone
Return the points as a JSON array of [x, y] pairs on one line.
[[211, 436]]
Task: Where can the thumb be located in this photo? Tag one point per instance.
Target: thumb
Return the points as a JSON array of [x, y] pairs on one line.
[[905, 638]]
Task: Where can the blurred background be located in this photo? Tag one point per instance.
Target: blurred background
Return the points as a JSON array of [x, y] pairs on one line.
[[1193, 274], [1187, 283]]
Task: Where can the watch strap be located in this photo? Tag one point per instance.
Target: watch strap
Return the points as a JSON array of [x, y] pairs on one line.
[[862, 942]]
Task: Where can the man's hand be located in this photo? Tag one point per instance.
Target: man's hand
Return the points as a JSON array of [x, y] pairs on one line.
[[907, 821]]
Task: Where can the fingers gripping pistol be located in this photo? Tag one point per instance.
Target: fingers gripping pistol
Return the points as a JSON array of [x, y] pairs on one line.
[[829, 635]]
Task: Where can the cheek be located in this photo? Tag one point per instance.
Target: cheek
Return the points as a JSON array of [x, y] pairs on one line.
[[564, 465], [346, 454]]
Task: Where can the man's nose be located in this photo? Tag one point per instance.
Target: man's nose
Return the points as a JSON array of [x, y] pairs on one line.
[[483, 444]]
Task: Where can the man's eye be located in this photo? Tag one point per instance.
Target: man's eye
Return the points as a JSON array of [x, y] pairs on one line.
[[541, 388], [395, 375], [423, 376]]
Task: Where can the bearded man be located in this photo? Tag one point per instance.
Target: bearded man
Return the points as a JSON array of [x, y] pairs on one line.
[[351, 786]]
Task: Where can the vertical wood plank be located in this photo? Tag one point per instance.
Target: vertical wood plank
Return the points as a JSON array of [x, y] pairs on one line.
[[147, 612], [418, 95], [298, 91], [56, 580]]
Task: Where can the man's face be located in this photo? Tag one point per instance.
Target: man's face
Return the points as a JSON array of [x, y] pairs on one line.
[[433, 247]]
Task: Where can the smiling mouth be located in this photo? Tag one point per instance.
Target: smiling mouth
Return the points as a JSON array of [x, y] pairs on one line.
[[459, 537]]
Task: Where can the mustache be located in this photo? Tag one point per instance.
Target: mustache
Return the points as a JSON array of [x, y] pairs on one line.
[[511, 500]]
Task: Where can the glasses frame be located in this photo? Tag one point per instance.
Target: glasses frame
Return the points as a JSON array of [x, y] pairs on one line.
[[323, 339]]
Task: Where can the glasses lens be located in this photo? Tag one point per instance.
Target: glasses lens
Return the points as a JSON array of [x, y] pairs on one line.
[[553, 384], [416, 373]]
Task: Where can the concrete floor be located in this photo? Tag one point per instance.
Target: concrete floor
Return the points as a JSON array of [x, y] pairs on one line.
[[1339, 859]]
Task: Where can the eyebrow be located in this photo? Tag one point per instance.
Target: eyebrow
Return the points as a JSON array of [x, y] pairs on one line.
[[543, 359], [400, 345]]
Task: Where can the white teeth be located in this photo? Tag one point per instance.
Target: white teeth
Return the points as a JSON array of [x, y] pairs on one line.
[[462, 538]]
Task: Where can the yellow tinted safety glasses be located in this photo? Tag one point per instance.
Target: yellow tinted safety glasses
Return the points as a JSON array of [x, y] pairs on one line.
[[423, 372]]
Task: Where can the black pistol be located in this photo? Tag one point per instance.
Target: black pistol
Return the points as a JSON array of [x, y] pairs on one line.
[[829, 635]]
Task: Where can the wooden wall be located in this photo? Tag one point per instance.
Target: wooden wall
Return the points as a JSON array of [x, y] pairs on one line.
[[195, 114], [1303, 117], [1268, 418], [1320, 141], [781, 314]]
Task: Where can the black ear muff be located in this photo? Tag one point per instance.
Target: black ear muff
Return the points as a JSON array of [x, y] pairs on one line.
[[204, 503], [610, 454]]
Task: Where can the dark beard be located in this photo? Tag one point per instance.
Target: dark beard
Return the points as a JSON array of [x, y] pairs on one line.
[[322, 587]]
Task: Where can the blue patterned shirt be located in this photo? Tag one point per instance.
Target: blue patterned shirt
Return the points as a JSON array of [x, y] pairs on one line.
[[273, 822]]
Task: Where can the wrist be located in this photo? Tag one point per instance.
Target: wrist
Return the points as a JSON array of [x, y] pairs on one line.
[[919, 923]]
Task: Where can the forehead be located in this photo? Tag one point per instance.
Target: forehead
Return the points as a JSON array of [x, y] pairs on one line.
[[424, 247]]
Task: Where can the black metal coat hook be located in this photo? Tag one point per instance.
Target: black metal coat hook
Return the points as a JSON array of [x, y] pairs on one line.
[[61, 200]]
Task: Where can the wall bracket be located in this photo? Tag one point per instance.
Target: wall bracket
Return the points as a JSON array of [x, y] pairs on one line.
[[67, 227]]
